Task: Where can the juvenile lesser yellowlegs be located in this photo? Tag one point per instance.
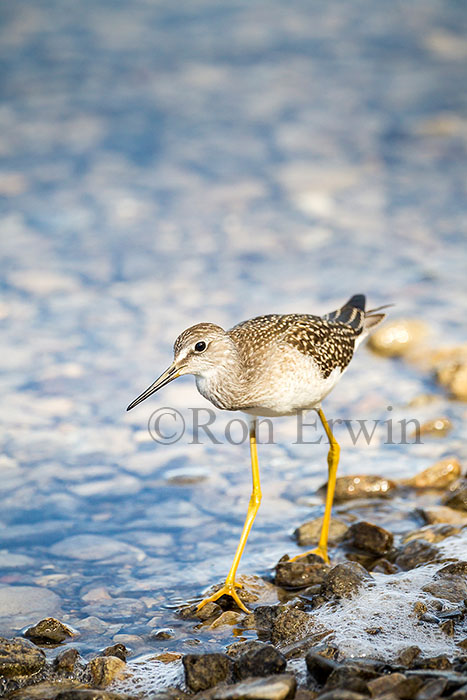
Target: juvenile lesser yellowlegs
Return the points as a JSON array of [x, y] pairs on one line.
[[271, 366]]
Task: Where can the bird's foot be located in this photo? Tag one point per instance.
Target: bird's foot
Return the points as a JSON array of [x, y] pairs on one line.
[[227, 589], [319, 551]]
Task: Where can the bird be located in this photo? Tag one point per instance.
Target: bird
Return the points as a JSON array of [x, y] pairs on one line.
[[272, 365]]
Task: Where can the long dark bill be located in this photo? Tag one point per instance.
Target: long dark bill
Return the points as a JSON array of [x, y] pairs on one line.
[[165, 378]]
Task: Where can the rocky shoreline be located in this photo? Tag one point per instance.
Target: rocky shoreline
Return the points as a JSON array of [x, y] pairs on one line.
[[311, 620]]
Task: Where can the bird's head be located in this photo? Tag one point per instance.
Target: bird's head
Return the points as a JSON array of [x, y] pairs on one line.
[[201, 350]]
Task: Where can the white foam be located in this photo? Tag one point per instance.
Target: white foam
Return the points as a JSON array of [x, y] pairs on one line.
[[389, 605]]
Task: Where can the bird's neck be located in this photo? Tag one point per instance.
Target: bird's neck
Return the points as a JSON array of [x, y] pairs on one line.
[[224, 385]]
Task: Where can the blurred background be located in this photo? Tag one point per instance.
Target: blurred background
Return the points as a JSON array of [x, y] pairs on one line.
[[168, 163]]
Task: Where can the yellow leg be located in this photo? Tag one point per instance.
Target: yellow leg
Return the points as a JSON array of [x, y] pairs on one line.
[[230, 584], [333, 460]]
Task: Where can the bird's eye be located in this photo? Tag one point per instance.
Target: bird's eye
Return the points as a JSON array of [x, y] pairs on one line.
[[201, 346]]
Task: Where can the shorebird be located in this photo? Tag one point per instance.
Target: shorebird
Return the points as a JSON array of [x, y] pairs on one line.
[[275, 365]]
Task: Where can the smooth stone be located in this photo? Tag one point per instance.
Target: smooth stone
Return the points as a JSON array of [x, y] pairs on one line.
[[458, 568], [415, 553], [280, 687], [438, 476], [228, 618], [32, 601], [19, 657], [362, 486], [49, 631], [344, 580], [309, 533], [104, 669], [264, 661], [369, 538], [303, 572], [47, 690], [452, 588], [341, 694], [203, 671]]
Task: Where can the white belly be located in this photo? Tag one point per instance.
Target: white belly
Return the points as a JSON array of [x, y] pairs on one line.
[[296, 388]]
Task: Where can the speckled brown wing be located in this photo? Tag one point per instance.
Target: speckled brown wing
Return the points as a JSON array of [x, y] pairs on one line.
[[330, 343]]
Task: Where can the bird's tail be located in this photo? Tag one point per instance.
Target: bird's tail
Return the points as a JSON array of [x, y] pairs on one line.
[[353, 314]]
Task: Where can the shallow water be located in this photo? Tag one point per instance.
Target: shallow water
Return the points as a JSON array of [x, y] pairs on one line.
[[164, 166]]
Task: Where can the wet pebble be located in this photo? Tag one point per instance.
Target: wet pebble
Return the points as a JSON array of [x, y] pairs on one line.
[[451, 371], [436, 427], [203, 671], [414, 553], [389, 683], [362, 486], [104, 669], [319, 667], [65, 662], [19, 657], [369, 538], [457, 498], [438, 476], [263, 661], [308, 533], [290, 624], [352, 676], [49, 631], [408, 655], [398, 338], [344, 581], [271, 688], [119, 650], [227, 618], [306, 571]]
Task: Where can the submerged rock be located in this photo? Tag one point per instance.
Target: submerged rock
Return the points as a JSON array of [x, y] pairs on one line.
[[203, 671], [362, 486], [306, 571], [369, 538], [19, 657], [344, 580], [438, 476], [309, 532], [49, 631]]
